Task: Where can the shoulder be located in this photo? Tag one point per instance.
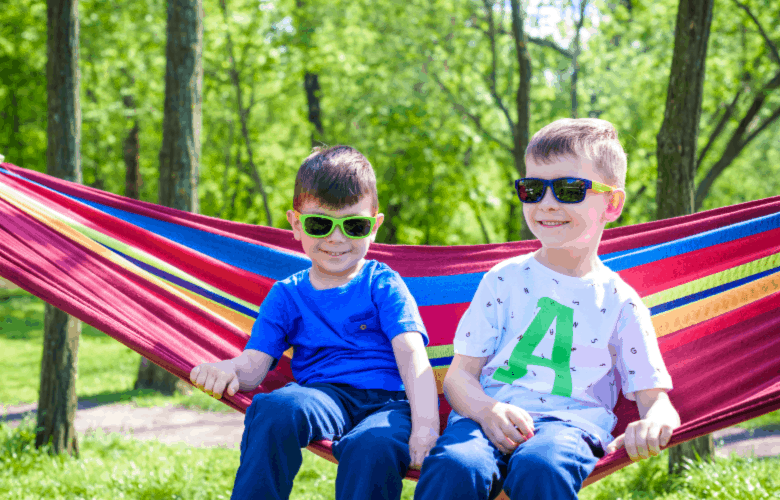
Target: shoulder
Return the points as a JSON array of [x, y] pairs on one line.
[[512, 267], [622, 291], [380, 274], [290, 286]]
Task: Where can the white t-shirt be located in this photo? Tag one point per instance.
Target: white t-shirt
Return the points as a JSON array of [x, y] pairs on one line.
[[555, 344]]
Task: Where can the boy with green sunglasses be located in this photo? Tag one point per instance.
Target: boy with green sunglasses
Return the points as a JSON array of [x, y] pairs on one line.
[[363, 379], [550, 340]]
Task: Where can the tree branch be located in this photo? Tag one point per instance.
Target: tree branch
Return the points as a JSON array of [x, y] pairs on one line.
[[243, 116], [738, 140], [719, 127], [551, 45], [767, 40], [774, 116], [462, 109]]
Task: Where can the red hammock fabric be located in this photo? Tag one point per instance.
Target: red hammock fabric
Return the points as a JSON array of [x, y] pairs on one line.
[[182, 288]]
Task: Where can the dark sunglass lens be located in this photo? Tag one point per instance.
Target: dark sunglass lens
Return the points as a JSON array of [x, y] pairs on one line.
[[317, 226], [357, 227], [530, 190], [569, 190]]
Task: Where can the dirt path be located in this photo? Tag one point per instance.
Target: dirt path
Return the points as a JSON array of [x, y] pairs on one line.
[[171, 424], [168, 424]]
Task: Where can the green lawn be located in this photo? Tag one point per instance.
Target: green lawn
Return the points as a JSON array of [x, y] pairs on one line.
[[119, 467]]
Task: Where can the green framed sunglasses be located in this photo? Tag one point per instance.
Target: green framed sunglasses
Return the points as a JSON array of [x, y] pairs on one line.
[[321, 226]]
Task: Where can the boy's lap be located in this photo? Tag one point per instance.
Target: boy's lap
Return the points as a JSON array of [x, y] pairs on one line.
[[335, 410], [464, 439]]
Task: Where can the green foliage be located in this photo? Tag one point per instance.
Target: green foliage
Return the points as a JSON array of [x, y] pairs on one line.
[[378, 63]]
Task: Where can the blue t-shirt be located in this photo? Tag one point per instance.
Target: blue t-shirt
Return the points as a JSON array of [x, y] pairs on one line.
[[342, 334]]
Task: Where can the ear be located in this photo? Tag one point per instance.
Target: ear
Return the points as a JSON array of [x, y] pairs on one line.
[[615, 205], [380, 218], [295, 223]]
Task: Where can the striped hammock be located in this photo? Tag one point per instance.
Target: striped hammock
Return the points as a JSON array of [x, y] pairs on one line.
[[182, 289]]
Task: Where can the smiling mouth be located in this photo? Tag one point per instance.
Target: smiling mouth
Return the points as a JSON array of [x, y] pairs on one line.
[[334, 254], [551, 223]]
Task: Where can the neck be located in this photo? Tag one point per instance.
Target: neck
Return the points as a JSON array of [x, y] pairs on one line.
[[570, 262], [321, 280]]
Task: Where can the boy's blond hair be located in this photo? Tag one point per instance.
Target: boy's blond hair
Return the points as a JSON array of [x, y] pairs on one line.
[[587, 138]]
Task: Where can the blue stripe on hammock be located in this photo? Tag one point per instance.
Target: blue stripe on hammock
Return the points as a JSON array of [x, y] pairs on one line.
[[428, 291], [674, 304], [436, 362], [250, 257], [188, 286], [691, 243]]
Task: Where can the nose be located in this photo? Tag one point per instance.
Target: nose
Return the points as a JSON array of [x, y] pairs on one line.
[[548, 200], [336, 235]]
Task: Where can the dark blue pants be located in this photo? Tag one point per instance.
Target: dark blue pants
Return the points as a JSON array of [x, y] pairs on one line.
[[551, 465], [370, 430]]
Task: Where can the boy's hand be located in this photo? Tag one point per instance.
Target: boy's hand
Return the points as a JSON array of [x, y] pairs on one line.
[[643, 439], [507, 426], [214, 378], [420, 443], [646, 437]]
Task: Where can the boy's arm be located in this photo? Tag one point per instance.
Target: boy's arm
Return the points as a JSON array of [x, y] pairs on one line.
[[504, 424], [242, 373], [646, 437], [420, 384]]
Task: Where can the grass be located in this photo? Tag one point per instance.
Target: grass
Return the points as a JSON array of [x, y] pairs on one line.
[[112, 466], [106, 368], [733, 478]]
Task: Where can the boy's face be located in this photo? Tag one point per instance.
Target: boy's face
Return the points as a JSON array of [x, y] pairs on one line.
[[569, 225], [335, 256]]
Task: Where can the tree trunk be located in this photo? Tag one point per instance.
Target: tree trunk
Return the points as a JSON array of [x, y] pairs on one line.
[[131, 153], [677, 143], [312, 86], [521, 132], [180, 151], [703, 447], [59, 361], [677, 139]]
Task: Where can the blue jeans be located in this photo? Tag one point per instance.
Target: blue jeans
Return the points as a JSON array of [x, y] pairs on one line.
[[552, 465], [370, 429]]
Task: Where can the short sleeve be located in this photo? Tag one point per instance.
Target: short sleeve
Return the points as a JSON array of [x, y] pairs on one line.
[[476, 334], [269, 332], [639, 358], [397, 308]]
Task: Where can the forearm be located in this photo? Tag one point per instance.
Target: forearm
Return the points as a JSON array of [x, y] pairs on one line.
[[251, 368], [654, 405], [466, 395], [420, 384]]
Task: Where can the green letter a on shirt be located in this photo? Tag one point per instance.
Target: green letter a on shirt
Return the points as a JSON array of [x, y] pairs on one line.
[[523, 353]]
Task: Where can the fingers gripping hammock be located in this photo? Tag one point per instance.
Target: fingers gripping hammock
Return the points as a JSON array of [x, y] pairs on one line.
[[182, 288]]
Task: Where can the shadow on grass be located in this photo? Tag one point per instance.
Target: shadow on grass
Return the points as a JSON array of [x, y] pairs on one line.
[[85, 403]]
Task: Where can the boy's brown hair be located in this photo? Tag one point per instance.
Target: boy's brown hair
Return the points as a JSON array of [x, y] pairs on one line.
[[336, 177], [588, 138]]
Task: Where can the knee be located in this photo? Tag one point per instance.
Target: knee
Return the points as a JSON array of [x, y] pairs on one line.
[[275, 412], [459, 462], [534, 468], [373, 446]]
